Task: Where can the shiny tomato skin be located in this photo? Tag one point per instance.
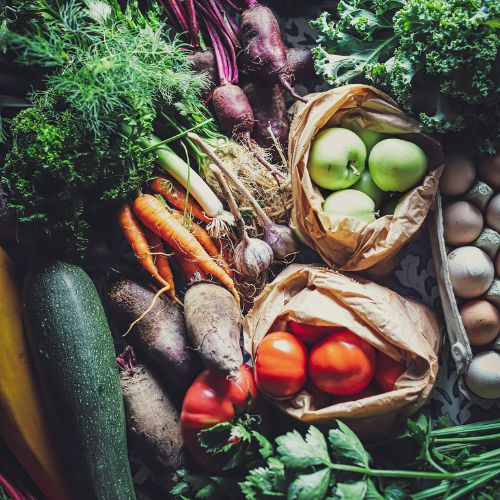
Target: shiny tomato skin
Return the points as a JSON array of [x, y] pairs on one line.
[[213, 398], [342, 364], [310, 334], [388, 370], [371, 390], [280, 365]]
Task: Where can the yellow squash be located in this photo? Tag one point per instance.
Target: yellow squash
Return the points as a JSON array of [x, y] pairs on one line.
[[23, 422]]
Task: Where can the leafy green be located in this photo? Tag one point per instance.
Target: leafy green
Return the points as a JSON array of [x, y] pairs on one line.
[[112, 71], [438, 58], [346, 446], [297, 452], [311, 466]]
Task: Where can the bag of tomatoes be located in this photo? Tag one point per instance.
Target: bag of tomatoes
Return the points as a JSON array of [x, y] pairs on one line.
[[326, 346], [363, 176]]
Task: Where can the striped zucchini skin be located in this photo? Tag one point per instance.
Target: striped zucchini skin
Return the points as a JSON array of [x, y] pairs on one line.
[[75, 358]]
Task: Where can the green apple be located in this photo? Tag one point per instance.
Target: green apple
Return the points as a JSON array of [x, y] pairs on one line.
[[350, 203], [298, 235], [397, 165], [369, 137], [367, 186], [337, 158], [390, 206]]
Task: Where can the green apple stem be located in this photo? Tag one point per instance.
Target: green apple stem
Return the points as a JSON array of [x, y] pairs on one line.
[[354, 169]]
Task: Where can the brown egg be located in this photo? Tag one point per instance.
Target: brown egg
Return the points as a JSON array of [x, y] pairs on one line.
[[481, 321], [493, 213], [489, 170], [458, 175], [462, 223]]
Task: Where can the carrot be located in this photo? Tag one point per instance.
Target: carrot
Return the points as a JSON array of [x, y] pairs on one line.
[[155, 216], [204, 239], [176, 196], [134, 234], [190, 269], [161, 261]]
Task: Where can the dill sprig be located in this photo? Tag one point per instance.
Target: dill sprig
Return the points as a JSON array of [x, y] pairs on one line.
[[106, 68]]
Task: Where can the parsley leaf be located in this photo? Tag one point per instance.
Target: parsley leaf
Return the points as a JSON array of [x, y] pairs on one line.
[[346, 446]]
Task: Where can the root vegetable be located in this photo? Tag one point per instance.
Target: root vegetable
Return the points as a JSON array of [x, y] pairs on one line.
[[301, 65], [251, 256], [213, 323], [279, 237], [153, 421], [134, 234], [155, 216], [204, 62], [159, 337], [270, 114], [177, 197], [264, 52]]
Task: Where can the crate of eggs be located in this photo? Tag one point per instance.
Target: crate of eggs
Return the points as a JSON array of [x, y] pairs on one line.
[[465, 238]]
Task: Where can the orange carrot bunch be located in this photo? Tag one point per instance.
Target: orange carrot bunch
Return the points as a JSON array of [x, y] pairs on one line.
[[152, 229]]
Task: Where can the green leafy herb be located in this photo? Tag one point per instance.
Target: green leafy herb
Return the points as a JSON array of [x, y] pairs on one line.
[[311, 466], [114, 70]]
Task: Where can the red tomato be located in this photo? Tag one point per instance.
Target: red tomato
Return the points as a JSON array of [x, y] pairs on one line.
[[371, 390], [213, 398], [310, 334], [342, 364], [388, 371], [280, 365]]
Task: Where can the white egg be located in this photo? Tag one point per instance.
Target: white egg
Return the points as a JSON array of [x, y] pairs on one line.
[[462, 223], [483, 377], [493, 213], [458, 175], [471, 272]]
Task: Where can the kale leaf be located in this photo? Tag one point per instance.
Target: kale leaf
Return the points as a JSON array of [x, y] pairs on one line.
[[438, 58]]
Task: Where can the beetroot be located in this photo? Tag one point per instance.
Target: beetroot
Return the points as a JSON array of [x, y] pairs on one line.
[[233, 111], [301, 65], [268, 104], [204, 62], [264, 52]]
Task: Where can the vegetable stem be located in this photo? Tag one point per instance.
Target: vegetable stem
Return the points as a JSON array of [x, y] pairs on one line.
[[468, 439], [472, 485], [236, 182], [414, 474], [180, 135]]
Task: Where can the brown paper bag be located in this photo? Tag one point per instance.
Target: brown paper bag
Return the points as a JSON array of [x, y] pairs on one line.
[[400, 327], [347, 243]]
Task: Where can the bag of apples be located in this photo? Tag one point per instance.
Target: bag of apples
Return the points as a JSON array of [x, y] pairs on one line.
[[328, 346], [363, 176]]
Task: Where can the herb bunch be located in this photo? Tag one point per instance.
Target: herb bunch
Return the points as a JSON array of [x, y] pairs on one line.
[[108, 71], [452, 462], [438, 58]]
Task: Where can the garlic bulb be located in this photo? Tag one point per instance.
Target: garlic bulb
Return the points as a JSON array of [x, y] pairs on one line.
[[252, 256], [281, 240]]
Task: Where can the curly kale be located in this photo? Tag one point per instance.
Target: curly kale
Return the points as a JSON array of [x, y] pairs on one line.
[[57, 174], [439, 59]]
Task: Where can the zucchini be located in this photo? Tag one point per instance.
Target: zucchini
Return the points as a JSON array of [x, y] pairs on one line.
[[75, 357], [24, 424]]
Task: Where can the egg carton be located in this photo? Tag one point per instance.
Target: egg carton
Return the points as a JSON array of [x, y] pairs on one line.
[[461, 350]]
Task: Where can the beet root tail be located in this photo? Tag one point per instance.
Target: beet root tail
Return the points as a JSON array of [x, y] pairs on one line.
[[285, 84]]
